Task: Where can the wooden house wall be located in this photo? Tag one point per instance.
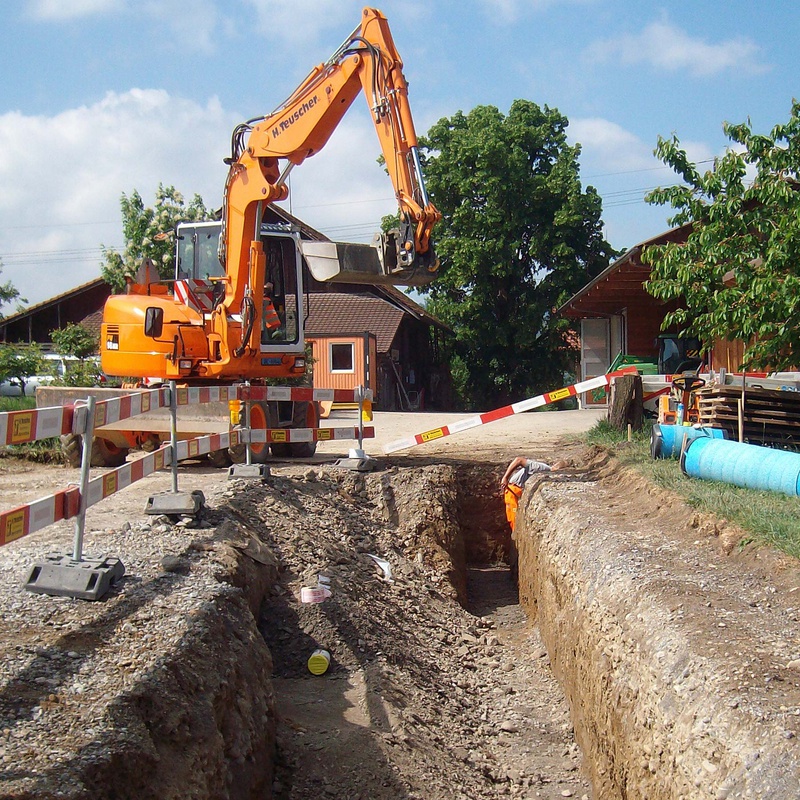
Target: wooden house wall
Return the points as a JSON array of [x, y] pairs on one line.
[[363, 365], [38, 324]]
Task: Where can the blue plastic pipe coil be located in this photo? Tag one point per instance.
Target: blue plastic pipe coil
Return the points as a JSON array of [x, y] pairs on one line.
[[747, 465], [666, 441]]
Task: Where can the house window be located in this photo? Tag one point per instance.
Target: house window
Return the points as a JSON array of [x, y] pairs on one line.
[[342, 357]]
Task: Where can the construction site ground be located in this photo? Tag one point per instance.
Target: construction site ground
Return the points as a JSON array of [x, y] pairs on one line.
[[650, 655]]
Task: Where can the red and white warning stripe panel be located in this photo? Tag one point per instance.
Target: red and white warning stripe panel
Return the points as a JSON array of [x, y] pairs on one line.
[[117, 479], [505, 411], [17, 427], [21, 521], [127, 406], [270, 435], [195, 293], [299, 394], [192, 395], [192, 448], [114, 480]]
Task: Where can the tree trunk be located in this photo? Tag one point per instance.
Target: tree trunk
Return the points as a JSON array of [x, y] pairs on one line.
[[626, 403]]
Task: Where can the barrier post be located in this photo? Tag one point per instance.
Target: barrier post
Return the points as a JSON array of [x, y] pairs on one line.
[[175, 503], [86, 463], [73, 575], [248, 453], [360, 391], [357, 459], [173, 434], [248, 470]]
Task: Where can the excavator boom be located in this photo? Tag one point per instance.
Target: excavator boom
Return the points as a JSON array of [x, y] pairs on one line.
[[237, 306]]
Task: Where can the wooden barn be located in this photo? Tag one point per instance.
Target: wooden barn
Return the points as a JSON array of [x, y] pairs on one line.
[[618, 317]]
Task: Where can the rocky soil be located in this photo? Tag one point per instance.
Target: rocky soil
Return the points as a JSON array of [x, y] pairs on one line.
[[679, 652], [163, 688]]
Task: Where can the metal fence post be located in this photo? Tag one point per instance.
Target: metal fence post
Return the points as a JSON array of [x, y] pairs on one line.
[[247, 451], [86, 463], [361, 391], [173, 433]]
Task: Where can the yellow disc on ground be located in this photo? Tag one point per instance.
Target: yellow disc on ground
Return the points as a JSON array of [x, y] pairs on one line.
[[318, 662]]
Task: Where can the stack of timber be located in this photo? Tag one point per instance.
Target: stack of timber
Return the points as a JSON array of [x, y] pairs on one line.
[[771, 417]]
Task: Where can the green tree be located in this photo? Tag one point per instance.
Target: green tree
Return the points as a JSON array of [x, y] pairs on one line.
[[737, 276], [147, 234], [518, 237], [76, 341], [18, 364], [9, 292]]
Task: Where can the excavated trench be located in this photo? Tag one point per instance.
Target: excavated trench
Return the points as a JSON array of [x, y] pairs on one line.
[[660, 665], [438, 686], [441, 687]]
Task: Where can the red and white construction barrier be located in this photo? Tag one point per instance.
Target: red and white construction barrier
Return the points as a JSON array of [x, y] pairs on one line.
[[21, 521], [278, 435], [301, 394], [19, 427], [506, 411]]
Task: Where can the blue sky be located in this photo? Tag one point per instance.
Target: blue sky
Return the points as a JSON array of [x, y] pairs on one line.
[[101, 97]]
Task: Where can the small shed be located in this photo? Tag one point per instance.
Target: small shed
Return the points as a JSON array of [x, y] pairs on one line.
[[380, 339]]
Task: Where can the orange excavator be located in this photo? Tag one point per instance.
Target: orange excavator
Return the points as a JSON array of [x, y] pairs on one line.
[[236, 308]]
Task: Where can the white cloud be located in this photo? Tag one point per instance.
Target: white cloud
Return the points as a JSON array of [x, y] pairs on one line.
[[57, 10], [62, 178], [608, 146], [302, 21], [665, 46], [512, 10]]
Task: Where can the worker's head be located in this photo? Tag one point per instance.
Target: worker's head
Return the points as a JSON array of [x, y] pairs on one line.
[[268, 287]]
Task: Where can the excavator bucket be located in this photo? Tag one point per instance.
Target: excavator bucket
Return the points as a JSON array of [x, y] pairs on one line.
[[346, 262]]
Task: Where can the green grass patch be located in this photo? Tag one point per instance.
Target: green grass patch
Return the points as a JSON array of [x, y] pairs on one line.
[[770, 518], [16, 403]]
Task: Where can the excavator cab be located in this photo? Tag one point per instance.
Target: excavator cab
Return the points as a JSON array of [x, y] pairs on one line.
[[200, 278]]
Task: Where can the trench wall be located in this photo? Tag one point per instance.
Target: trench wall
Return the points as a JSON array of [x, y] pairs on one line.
[[651, 710]]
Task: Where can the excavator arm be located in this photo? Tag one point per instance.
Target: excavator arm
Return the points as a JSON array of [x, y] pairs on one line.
[[301, 126]]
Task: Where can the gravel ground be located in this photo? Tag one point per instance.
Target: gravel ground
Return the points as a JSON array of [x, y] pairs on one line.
[[165, 681]]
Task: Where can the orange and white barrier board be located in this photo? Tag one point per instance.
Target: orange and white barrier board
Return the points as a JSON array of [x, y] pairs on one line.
[[270, 435], [506, 411], [298, 394], [17, 427], [127, 406], [120, 478]]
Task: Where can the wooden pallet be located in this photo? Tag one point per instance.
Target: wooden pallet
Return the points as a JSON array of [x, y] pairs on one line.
[[771, 417]]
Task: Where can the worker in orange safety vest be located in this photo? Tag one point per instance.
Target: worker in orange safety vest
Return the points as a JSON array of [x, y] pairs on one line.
[[271, 319], [514, 479]]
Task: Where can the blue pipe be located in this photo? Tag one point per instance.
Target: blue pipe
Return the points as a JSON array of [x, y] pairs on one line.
[[747, 465], [666, 441]]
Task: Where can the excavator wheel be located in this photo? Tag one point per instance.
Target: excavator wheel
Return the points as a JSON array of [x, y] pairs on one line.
[[107, 454], [305, 415], [221, 459], [72, 448], [259, 419]]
